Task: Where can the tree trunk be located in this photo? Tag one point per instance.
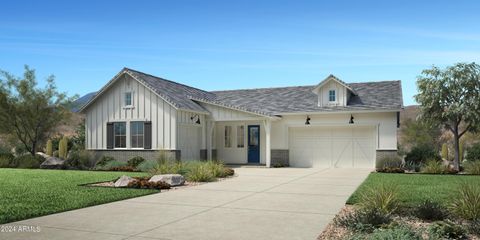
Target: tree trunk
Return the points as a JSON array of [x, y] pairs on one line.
[[34, 148], [456, 138]]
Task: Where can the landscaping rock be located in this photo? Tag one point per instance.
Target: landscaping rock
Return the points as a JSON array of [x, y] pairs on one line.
[[52, 162], [172, 179], [123, 181]]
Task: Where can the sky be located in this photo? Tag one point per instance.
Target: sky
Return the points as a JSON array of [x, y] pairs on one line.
[[219, 45]]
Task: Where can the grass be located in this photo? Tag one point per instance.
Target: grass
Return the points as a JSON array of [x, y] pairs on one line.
[[414, 189], [27, 193]]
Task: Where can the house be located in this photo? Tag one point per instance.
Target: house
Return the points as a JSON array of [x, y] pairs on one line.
[[332, 124]]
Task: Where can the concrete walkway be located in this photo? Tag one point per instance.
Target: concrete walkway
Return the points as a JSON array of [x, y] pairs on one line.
[[260, 203]]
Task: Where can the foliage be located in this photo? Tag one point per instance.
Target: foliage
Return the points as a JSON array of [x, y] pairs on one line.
[[431, 211], [400, 232], [420, 154], [49, 150], [229, 172], [474, 227], [63, 148], [123, 169], [196, 171], [111, 165], [6, 159], [28, 193], [55, 153], [447, 230], [390, 165], [79, 159], [27, 161], [472, 167], [135, 161], [418, 133], [433, 166], [78, 140], [143, 183], [383, 198], [169, 167], [28, 112], [467, 202], [104, 160], [445, 151], [147, 166], [363, 220], [473, 152], [450, 97], [200, 173], [412, 166]]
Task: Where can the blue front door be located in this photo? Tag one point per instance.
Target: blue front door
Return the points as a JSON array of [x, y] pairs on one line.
[[253, 144]]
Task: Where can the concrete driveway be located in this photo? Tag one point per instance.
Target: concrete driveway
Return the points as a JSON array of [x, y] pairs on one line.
[[260, 203]]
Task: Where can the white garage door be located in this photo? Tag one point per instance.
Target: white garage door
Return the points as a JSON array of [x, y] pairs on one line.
[[339, 147], [189, 142]]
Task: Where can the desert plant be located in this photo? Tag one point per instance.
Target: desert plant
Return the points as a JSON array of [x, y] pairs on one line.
[[383, 199], [169, 167], [135, 161], [474, 227], [363, 220], [63, 148], [27, 161], [445, 151], [200, 173], [422, 153], [434, 166], [389, 161], [147, 166], [412, 166], [49, 150], [466, 204], [104, 160], [472, 167], [145, 184], [447, 230], [431, 211], [79, 159], [473, 152], [400, 232]]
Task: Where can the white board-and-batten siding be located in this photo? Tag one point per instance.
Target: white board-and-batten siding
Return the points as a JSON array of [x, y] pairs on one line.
[[147, 106]]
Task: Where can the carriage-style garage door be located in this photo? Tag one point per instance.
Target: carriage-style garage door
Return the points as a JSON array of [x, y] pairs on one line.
[[347, 147]]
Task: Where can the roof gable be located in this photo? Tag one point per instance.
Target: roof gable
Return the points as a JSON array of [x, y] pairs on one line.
[[331, 77]]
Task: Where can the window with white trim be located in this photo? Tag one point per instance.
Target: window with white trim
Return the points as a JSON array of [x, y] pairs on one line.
[[228, 136], [240, 136], [128, 99], [136, 134], [332, 96], [120, 134]]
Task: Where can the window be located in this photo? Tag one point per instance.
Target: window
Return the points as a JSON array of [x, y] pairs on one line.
[[228, 136], [136, 134], [120, 134], [128, 99], [240, 136], [331, 96]]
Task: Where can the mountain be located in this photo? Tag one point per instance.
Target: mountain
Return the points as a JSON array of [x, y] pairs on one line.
[[82, 101]]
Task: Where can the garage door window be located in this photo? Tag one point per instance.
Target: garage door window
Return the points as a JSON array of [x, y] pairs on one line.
[[228, 136], [240, 136]]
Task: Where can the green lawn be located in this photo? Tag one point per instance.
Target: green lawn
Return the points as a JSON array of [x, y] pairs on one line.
[[415, 188], [26, 193]]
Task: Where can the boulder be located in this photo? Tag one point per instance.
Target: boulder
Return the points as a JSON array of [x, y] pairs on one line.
[[52, 162], [172, 179], [123, 181]]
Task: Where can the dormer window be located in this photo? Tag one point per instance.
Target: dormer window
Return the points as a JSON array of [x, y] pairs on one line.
[[128, 99], [332, 96]]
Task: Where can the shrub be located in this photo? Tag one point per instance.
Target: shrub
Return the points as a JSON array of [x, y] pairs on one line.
[[473, 152], [474, 227], [422, 153], [363, 220], [147, 166], [472, 167], [434, 167], [412, 166], [396, 233], [122, 169], [6, 160], [79, 160], [390, 165], [383, 199], [466, 203], [28, 161], [445, 151], [169, 167], [447, 230], [55, 153], [63, 148], [431, 211], [229, 171], [110, 165], [104, 160], [200, 173], [49, 150], [135, 161], [145, 184]]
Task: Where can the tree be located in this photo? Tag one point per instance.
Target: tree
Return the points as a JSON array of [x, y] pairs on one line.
[[420, 133], [30, 113], [451, 97]]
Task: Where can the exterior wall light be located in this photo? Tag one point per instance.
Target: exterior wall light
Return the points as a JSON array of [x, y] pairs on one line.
[[197, 117], [307, 122], [351, 119]]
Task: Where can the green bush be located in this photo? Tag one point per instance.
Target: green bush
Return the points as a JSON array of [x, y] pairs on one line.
[[447, 230], [473, 152], [390, 165], [363, 220], [104, 160], [111, 165], [169, 167], [135, 161], [27, 161], [49, 150], [6, 160], [196, 171], [466, 203], [431, 211], [434, 167], [200, 173], [147, 166], [445, 151], [383, 199], [420, 154], [79, 160], [395, 233], [472, 167], [412, 166]]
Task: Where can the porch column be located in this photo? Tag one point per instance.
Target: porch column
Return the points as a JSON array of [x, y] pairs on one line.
[[211, 126], [267, 125]]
